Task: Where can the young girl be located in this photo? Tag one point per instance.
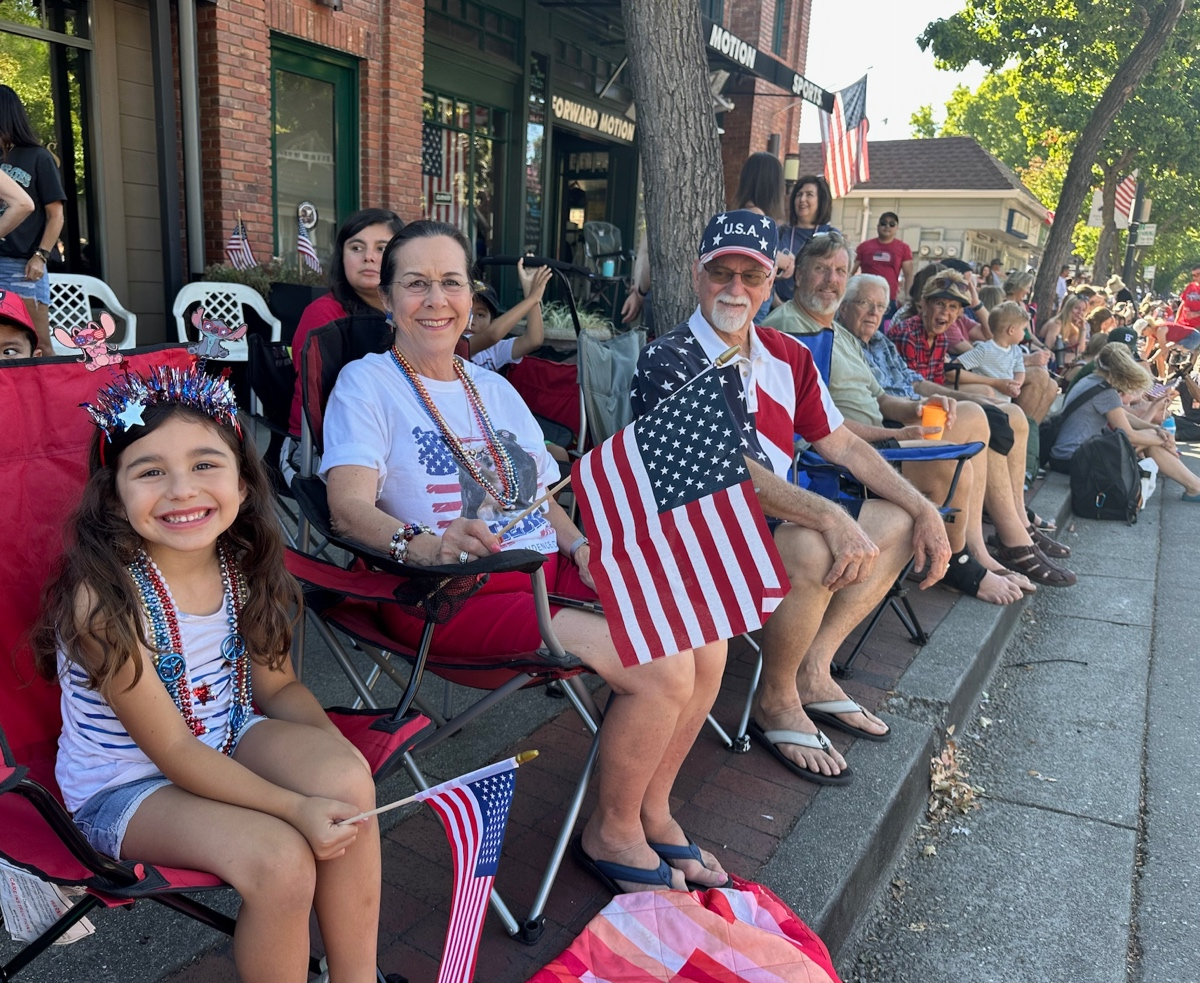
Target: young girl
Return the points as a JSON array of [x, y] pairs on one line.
[[187, 740]]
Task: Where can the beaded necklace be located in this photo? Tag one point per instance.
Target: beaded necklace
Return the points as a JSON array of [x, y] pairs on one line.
[[508, 493], [168, 656]]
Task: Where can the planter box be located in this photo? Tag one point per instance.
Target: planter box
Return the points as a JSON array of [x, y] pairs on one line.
[[288, 301]]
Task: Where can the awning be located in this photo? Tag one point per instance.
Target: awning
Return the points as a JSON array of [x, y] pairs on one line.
[[747, 58]]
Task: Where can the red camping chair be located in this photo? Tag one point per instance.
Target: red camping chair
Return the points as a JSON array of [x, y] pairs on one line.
[[43, 468], [351, 602]]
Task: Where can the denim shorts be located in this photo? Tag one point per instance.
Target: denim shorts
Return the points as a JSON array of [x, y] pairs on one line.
[[12, 277], [104, 818]]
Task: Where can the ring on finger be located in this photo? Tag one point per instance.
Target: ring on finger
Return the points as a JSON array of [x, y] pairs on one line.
[[463, 556]]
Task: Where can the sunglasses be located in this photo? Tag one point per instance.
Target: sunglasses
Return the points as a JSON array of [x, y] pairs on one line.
[[889, 224], [722, 275]]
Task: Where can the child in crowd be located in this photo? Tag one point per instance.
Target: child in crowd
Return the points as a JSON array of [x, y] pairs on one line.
[[187, 739], [488, 327], [18, 339], [1000, 358]]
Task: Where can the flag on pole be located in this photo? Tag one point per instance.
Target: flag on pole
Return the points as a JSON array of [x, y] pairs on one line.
[[473, 809], [844, 139], [444, 174], [1125, 198], [237, 249], [306, 252], [681, 552]]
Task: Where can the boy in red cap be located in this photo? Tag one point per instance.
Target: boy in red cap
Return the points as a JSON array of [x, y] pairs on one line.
[[18, 339]]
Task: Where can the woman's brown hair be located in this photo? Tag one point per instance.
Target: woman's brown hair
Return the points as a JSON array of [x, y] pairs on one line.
[[90, 597]]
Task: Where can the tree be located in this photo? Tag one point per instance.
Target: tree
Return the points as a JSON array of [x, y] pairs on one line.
[[923, 126], [1071, 48], [680, 148]]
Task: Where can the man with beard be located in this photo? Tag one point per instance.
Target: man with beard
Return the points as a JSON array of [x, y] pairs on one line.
[[839, 568], [921, 342]]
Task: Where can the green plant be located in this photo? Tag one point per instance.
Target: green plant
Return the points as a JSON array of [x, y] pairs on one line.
[[261, 276]]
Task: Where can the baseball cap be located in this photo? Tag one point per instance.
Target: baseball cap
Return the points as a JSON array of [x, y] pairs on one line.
[[13, 310], [742, 232], [1126, 336], [487, 293], [949, 285]]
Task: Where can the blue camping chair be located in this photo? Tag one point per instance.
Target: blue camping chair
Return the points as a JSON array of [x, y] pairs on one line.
[[832, 481]]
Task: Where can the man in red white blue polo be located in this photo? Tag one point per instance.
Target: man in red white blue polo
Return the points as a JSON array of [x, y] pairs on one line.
[[839, 568]]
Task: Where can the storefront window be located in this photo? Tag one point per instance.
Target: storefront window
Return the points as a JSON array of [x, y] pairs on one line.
[[535, 151], [461, 167], [50, 75]]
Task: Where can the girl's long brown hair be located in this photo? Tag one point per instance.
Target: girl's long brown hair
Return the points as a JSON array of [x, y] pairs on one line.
[[90, 596]]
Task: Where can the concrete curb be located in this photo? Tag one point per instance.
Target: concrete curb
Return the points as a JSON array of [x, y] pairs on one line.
[[842, 851]]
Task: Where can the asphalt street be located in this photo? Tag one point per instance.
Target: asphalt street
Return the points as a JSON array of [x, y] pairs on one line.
[[1080, 859]]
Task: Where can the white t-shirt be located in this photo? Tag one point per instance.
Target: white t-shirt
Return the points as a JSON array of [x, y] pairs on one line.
[[375, 420], [988, 358], [497, 356]]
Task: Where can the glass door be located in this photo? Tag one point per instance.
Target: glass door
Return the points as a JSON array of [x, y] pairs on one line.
[[315, 136]]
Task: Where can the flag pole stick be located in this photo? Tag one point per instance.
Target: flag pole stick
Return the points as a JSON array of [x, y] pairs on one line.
[[553, 491], [520, 759]]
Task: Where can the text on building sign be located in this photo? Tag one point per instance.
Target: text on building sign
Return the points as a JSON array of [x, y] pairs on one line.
[[573, 112], [732, 47]]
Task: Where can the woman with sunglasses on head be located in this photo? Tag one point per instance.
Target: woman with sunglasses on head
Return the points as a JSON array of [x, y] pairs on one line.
[[887, 256], [809, 210], [430, 457]]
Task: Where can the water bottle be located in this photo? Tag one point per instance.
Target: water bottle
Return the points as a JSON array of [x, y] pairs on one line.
[[1169, 425]]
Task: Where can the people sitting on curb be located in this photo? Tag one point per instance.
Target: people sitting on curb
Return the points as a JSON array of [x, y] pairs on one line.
[[1116, 383], [839, 568], [920, 340]]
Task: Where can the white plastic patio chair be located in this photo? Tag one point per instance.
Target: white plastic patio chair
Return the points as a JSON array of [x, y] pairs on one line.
[[227, 303], [71, 297]]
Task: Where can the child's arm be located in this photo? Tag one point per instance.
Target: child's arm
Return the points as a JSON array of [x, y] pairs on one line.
[[533, 283], [501, 326]]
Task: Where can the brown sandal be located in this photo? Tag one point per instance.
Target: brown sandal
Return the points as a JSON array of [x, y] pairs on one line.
[[1049, 547], [1035, 565]]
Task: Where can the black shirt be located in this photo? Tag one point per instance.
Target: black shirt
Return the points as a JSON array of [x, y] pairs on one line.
[[34, 169]]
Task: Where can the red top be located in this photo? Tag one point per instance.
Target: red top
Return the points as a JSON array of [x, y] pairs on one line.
[[915, 348], [884, 259], [1189, 306], [319, 313]]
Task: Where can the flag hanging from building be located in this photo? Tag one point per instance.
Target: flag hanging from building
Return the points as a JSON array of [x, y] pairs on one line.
[[681, 552], [844, 139], [443, 174], [473, 809], [1126, 196], [237, 249], [306, 253]]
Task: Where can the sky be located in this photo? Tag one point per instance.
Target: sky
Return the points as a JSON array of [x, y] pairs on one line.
[[848, 38]]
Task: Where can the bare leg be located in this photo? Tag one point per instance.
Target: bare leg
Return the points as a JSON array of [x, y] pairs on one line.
[[1038, 393], [1172, 467], [40, 315]]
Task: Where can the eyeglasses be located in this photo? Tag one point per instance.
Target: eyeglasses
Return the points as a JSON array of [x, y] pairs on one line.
[[451, 286], [722, 275], [869, 305], [890, 225]]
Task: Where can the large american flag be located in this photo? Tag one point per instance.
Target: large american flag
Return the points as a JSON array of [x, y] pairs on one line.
[[1126, 196], [844, 139], [473, 809], [444, 174], [681, 552], [306, 253], [237, 249]]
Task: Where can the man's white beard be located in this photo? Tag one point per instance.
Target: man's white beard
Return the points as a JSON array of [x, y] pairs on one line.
[[726, 320], [814, 303]]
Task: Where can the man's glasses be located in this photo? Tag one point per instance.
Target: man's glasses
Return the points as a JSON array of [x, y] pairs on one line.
[[869, 305], [889, 224], [420, 287], [723, 274]]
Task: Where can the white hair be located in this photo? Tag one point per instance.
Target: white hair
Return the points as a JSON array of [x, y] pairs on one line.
[[861, 280]]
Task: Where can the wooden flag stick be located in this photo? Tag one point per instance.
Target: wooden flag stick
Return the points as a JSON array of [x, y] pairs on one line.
[[521, 758], [553, 491]]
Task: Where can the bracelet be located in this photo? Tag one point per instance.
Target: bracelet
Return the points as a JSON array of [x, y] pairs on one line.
[[398, 550], [574, 547], [974, 307], [42, 254], [640, 291]]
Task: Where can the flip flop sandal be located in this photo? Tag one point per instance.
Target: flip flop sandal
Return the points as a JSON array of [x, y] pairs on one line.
[[671, 851], [818, 741], [825, 713], [1035, 565], [1035, 520], [608, 873]]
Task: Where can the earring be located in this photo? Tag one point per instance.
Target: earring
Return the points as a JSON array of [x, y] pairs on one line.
[[470, 320], [388, 320]]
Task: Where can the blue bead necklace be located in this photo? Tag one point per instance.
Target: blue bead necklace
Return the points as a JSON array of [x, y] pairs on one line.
[[163, 621]]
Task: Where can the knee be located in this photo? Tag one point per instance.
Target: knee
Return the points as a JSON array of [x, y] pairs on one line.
[[670, 681], [344, 777], [280, 871], [805, 554]]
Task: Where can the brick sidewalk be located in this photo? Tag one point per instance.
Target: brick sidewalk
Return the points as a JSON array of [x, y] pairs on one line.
[[737, 805]]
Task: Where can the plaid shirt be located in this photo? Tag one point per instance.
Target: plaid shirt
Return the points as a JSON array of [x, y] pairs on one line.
[[913, 344], [891, 371]]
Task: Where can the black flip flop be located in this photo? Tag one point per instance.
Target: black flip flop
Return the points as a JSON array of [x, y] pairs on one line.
[[607, 872], [816, 741]]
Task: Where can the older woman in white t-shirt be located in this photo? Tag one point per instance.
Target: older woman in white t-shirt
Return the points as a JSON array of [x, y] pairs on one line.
[[429, 456]]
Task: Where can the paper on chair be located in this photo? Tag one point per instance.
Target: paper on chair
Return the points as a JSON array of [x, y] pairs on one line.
[[31, 905]]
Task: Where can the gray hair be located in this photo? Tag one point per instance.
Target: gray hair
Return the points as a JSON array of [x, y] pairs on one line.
[[1018, 281], [860, 281], [822, 244]]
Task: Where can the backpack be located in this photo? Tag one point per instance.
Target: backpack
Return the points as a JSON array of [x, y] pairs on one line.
[[1106, 482], [1049, 428]]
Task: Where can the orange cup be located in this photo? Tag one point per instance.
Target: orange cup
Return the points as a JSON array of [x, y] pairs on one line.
[[933, 415]]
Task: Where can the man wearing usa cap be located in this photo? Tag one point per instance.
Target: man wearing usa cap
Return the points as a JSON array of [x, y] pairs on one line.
[[839, 568]]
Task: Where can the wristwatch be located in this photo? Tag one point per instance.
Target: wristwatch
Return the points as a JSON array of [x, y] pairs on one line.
[[44, 253]]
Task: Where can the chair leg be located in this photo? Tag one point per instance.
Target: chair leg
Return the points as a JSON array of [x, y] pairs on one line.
[[740, 742], [897, 595], [75, 913]]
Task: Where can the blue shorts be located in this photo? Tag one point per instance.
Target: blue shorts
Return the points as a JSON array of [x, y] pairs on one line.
[[12, 278], [104, 818]]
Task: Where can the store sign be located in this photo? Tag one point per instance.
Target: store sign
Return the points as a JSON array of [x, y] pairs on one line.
[[764, 66], [1148, 273], [732, 47], [592, 118], [1145, 234], [1019, 224]]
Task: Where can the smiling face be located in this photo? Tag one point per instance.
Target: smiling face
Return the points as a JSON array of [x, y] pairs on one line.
[[362, 256], [821, 282], [730, 306], [429, 309], [938, 313], [180, 487], [806, 202]]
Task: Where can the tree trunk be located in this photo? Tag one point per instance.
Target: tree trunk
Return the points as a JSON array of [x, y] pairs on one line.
[[1079, 172], [680, 147], [1106, 245]]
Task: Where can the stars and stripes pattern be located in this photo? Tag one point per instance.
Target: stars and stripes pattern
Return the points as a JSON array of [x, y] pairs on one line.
[[743, 232], [844, 139], [306, 253], [1126, 196], [681, 552], [444, 174], [474, 812], [237, 249]]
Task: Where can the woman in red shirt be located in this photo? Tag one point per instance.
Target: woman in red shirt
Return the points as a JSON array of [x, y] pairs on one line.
[[353, 281]]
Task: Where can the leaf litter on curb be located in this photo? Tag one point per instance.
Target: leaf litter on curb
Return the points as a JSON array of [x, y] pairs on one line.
[[950, 790]]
